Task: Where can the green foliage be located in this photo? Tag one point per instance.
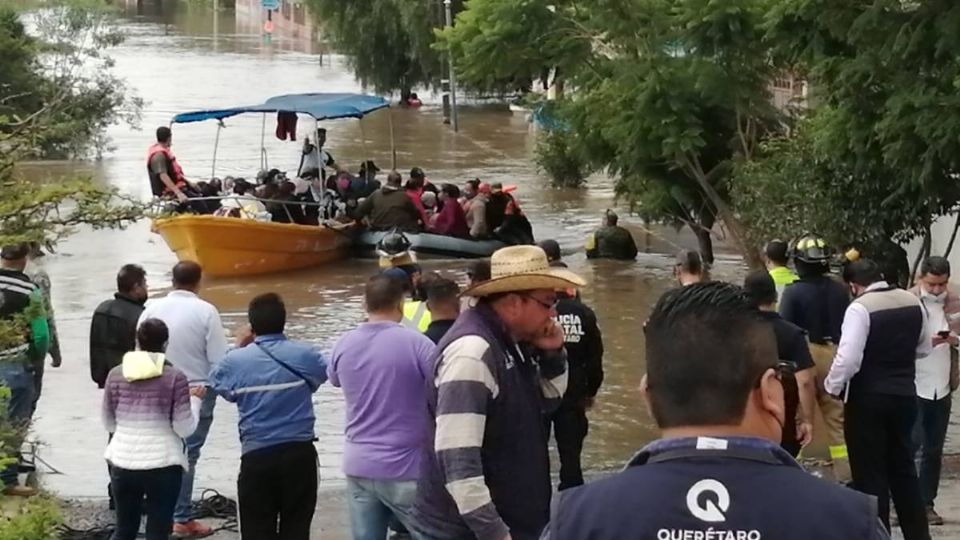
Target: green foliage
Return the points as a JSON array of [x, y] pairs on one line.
[[795, 186], [34, 519], [61, 71], [556, 158], [888, 73], [388, 42], [506, 45]]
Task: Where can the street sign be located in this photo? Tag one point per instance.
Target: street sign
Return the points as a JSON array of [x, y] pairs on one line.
[[270, 4]]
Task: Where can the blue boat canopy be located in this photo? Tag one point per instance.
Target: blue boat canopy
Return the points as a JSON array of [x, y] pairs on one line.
[[319, 106]]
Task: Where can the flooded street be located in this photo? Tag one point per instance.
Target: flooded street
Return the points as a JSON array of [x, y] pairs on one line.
[[176, 62]]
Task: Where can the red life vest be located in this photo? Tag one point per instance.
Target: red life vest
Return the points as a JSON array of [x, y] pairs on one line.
[[175, 171]]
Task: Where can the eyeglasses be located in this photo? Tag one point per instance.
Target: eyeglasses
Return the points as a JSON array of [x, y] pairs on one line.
[[546, 305]]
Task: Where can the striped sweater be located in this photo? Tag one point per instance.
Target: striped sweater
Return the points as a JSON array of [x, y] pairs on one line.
[[146, 405], [489, 473]]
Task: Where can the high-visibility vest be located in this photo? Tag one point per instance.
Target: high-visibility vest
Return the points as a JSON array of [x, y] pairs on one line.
[[416, 316]]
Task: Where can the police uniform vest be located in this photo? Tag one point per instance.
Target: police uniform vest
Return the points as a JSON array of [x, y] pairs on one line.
[[713, 489], [889, 356]]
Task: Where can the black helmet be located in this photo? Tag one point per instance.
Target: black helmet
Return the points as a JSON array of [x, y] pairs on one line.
[[393, 244], [811, 248]]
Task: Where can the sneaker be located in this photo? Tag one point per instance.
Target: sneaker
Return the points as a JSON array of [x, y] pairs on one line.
[[191, 529], [20, 491], [933, 518]]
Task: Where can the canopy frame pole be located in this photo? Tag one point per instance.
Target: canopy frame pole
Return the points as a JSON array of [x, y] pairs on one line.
[[263, 148], [363, 141], [320, 170], [216, 146], [393, 144]]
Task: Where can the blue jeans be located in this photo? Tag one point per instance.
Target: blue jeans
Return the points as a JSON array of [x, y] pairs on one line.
[[153, 490], [19, 380], [929, 434], [184, 511], [373, 503]]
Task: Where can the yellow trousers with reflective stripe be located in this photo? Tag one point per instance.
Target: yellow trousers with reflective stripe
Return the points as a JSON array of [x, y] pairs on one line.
[[832, 410]]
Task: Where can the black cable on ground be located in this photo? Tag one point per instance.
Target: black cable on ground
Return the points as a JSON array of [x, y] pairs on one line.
[[212, 505]]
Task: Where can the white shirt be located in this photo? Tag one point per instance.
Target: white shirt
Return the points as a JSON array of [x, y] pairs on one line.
[[197, 339], [854, 333], [933, 372]]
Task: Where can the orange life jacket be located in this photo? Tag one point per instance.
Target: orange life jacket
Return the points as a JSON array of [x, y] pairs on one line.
[[175, 171]]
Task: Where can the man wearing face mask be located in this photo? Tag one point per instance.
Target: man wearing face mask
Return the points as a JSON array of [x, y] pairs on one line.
[[937, 376], [713, 387], [884, 333]]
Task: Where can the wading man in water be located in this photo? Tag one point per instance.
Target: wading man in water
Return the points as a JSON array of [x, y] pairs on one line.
[[584, 345], [272, 380], [497, 371], [713, 387], [197, 343]]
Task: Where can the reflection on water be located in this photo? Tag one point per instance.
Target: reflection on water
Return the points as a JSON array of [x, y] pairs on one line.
[[176, 64]]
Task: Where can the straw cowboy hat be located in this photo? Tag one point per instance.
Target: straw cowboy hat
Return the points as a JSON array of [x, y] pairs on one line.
[[523, 268]]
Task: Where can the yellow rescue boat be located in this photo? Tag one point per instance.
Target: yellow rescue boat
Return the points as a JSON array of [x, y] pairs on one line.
[[227, 246]]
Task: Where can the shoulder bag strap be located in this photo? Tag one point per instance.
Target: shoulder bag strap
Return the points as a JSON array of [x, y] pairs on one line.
[[285, 366]]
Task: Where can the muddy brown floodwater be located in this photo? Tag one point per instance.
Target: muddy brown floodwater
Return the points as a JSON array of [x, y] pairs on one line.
[[176, 62]]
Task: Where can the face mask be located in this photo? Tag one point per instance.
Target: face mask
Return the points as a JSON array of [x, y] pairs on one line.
[[939, 298]]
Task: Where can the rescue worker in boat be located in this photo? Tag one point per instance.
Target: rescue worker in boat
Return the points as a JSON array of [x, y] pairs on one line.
[[390, 208], [166, 175], [314, 160], [514, 228], [611, 241], [395, 257], [365, 183]]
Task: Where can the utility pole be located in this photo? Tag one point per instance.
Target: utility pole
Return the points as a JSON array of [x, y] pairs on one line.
[[453, 77]]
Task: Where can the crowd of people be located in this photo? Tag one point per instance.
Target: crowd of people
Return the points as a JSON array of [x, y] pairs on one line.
[[478, 211], [451, 397]]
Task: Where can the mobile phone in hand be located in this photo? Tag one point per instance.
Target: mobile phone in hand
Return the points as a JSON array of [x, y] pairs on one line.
[[945, 334]]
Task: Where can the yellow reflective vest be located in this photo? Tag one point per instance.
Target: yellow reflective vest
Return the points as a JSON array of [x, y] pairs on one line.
[[416, 316]]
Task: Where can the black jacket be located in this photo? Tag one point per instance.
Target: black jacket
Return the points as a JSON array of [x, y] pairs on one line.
[[113, 333], [584, 345]]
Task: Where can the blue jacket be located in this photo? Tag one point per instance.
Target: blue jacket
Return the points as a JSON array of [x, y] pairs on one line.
[[275, 405]]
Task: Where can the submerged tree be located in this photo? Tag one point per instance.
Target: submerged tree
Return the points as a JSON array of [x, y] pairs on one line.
[[388, 42], [61, 68], [37, 119], [667, 95]]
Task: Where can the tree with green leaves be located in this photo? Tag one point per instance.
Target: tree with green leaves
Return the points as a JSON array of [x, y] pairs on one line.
[[388, 42], [884, 76], [667, 95], [62, 68], [37, 118]]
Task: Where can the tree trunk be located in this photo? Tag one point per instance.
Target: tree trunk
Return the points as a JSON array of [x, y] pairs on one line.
[[703, 230], [953, 237], [921, 255], [751, 255]]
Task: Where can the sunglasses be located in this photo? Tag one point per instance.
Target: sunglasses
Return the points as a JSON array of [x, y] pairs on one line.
[[546, 305]]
